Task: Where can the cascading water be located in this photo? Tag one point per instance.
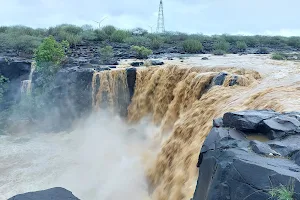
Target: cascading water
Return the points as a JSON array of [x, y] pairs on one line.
[[26, 84], [153, 155]]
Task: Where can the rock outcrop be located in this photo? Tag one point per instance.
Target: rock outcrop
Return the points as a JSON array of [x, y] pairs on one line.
[[15, 70], [249, 154], [50, 194], [69, 97]]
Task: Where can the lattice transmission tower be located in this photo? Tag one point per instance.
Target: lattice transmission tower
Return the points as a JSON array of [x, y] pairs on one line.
[[160, 20]]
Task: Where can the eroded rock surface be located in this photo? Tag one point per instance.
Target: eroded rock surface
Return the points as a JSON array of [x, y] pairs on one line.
[[50, 194], [232, 167]]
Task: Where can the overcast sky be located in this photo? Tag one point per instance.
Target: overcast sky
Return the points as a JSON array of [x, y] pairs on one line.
[[273, 17]]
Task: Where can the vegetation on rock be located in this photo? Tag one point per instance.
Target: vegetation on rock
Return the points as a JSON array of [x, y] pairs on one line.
[[279, 56], [25, 39], [119, 36], [221, 45], [192, 46], [50, 54], [141, 51], [106, 53], [241, 46]]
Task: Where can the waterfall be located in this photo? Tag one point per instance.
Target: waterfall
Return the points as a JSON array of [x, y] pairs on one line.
[[172, 108], [26, 84]]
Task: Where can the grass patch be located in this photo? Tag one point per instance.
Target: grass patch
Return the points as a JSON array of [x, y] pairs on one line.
[[279, 56], [283, 192]]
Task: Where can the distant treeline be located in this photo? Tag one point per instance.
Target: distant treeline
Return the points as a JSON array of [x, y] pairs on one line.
[[26, 39]]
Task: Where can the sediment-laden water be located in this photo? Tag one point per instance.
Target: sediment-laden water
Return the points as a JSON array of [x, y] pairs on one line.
[[152, 154]]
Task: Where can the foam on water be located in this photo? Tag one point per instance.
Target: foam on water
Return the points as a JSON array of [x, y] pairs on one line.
[[100, 160]]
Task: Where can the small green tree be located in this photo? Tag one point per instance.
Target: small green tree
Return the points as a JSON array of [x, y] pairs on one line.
[[141, 51], [106, 53], [241, 46], [49, 55], [119, 36], [279, 56], [101, 35], [192, 46], [156, 43], [221, 45], [109, 30]]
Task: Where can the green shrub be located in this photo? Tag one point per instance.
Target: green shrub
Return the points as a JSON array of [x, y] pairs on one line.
[[3, 29], [24, 43], [279, 56], [89, 35], [72, 38], [192, 46], [101, 35], [294, 42], [87, 27], [109, 30], [49, 55], [119, 36], [262, 50], [221, 45], [68, 32], [138, 41], [241, 46], [68, 28], [106, 53], [283, 192], [141, 51], [219, 52], [251, 41], [156, 42]]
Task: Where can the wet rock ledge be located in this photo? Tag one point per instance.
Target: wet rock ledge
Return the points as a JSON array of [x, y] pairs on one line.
[[250, 154], [50, 194]]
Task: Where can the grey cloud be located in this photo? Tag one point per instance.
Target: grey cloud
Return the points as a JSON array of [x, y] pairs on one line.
[[205, 16]]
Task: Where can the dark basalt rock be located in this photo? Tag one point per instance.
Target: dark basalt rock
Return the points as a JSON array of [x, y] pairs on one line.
[[16, 70], [279, 126], [50, 194], [263, 149], [247, 120], [234, 168], [137, 64], [220, 78], [69, 98], [131, 79], [157, 62], [233, 81]]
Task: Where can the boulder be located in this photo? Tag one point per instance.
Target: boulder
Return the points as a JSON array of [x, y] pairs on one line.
[[279, 126], [137, 64], [247, 120], [50, 194], [234, 168], [220, 78], [204, 58], [157, 62], [233, 81]]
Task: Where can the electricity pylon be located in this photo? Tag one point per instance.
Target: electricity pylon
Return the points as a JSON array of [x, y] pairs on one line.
[[160, 21]]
